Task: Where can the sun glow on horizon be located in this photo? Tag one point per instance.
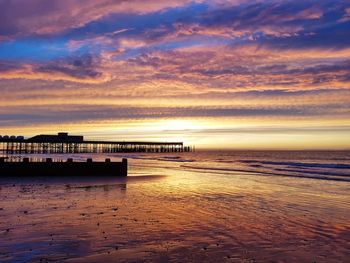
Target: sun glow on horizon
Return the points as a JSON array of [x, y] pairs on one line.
[[209, 133], [178, 125]]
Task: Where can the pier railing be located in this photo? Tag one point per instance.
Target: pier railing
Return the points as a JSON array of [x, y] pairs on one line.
[[20, 146]]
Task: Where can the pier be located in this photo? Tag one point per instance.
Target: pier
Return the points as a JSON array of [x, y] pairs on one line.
[[63, 143]]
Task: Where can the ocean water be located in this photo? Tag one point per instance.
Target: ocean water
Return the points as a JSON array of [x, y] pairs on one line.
[[214, 206]]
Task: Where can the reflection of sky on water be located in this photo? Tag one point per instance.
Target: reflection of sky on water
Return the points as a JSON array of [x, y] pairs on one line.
[[165, 211]]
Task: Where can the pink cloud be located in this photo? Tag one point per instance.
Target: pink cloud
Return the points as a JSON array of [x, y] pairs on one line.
[[310, 13], [346, 16], [199, 69]]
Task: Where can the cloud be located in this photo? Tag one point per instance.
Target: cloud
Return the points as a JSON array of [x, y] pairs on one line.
[[271, 18], [247, 68], [25, 17], [76, 112], [346, 16], [83, 69], [139, 51], [197, 70]]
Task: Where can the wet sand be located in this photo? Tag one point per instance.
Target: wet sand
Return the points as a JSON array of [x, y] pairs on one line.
[[165, 212]]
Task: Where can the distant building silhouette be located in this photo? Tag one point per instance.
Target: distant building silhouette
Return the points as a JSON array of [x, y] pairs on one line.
[[60, 137]]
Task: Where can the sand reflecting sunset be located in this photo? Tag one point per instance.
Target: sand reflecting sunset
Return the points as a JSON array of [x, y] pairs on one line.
[[183, 208]]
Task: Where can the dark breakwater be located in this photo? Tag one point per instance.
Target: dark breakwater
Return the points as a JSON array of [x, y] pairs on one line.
[[66, 168]]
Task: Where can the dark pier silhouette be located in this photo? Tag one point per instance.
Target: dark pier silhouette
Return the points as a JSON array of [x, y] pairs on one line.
[[51, 168], [64, 143]]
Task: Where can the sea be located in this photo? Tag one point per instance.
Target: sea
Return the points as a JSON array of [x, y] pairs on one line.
[[203, 206]]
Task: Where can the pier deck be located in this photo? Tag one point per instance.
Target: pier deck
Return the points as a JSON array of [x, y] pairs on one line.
[[64, 143]]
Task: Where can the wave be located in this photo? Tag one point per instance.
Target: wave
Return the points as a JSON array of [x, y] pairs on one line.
[[300, 164], [318, 176], [313, 172]]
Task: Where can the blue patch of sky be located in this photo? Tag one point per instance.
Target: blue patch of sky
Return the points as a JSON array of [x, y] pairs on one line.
[[33, 49]]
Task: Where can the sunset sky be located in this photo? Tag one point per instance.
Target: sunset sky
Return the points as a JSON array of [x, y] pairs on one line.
[[241, 74]]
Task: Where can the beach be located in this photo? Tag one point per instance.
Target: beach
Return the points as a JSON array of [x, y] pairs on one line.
[[205, 206]]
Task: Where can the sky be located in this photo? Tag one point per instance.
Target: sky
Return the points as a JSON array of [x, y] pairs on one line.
[[240, 74]]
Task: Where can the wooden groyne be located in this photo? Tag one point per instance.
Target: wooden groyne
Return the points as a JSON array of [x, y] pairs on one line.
[[64, 143], [63, 168]]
